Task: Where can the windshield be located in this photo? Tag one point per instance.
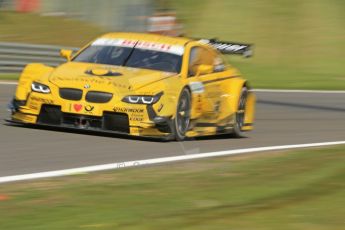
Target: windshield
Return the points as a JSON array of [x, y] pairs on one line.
[[131, 57]]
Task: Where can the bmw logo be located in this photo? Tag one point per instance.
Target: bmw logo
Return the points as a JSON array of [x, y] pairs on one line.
[[87, 86]]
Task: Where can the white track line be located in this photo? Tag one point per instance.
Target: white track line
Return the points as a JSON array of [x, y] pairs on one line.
[[255, 90], [8, 83], [95, 168]]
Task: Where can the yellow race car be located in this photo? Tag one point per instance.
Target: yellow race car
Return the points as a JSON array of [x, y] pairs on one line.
[[142, 85]]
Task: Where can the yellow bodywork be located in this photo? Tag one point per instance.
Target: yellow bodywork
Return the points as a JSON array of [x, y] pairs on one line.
[[215, 95]]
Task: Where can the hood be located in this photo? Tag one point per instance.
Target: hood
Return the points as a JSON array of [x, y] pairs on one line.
[[104, 77]]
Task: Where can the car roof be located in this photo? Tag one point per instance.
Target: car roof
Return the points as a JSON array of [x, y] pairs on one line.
[[149, 37]]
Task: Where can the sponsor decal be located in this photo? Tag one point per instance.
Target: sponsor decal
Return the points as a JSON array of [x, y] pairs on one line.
[[160, 107], [136, 118], [224, 46], [229, 47], [114, 42], [216, 107], [120, 85], [89, 108], [155, 46], [84, 80], [197, 87], [127, 110], [77, 107], [199, 104]]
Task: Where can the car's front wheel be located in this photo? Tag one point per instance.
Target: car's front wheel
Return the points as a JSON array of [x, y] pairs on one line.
[[182, 116]]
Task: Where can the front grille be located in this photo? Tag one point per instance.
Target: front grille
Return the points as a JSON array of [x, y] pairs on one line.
[[98, 97], [116, 122], [50, 114], [71, 94]]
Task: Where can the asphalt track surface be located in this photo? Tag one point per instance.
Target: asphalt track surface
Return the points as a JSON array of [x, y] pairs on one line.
[[282, 118]]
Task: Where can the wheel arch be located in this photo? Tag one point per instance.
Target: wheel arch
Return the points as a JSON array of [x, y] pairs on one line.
[[30, 73], [235, 90]]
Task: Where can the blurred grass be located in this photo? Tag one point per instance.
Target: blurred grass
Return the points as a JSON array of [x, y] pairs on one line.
[[32, 28], [298, 44], [301, 189], [9, 76]]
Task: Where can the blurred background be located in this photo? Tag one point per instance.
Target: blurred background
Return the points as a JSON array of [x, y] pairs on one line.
[[298, 43]]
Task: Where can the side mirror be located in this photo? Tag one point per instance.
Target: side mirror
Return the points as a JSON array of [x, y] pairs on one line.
[[204, 69], [67, 54]]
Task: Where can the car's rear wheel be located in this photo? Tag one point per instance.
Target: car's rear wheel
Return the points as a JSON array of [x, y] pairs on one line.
[[240, 114], [182, 117]]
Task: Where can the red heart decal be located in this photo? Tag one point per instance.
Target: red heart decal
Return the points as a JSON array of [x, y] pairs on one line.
[[77, 107]]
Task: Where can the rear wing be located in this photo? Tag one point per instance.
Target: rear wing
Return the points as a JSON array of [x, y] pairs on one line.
[[230, 47]]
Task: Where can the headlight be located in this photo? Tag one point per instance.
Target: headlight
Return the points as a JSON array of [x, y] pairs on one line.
[[40, 88], [142, 99]]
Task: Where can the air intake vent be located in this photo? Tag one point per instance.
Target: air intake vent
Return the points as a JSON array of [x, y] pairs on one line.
[[50, 114], [98, 97], [116, 122], [71, 94]]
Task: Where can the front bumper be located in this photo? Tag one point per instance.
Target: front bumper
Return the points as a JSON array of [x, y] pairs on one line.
[[116, 121], [64, 128]]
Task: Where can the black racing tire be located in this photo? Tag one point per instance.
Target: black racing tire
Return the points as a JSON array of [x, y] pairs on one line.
[[180, 123], [240, 114]]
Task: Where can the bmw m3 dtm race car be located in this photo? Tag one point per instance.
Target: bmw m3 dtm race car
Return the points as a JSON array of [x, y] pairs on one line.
[[142, 85]]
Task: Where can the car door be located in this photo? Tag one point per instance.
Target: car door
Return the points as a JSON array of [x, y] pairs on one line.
[[211, 97]]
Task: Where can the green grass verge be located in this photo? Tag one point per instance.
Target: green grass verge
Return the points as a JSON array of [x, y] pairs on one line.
[[298, 44], [301, 189], [32, 28], [9, 76]]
